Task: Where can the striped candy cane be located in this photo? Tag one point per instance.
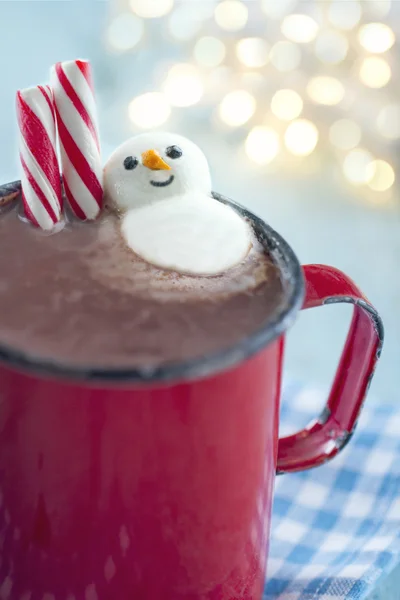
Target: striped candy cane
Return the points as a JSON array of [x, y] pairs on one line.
[[78, 134], [40, 175]]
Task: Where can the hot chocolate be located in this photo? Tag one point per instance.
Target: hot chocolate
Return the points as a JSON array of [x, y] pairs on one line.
[[80, 297]]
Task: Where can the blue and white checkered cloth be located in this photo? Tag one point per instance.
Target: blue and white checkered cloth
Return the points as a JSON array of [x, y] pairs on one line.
[[336, 529]]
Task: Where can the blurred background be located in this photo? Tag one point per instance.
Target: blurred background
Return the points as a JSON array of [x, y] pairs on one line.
[[295, 103]]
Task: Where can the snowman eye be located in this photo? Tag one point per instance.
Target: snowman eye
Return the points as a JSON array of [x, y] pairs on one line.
[[131, 162], [173, 152]]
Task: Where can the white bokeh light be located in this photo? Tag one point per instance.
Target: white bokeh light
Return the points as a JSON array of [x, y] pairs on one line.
[[285, 56], [124, 32], [150, 9], [185, 23], [388, 121], [344, 14], [149, 110], [355, 166], [183, 85], [325, 90], [377, 8], [299, 28], [209, 51], [301, 137], [236, 108], [262, 145], [286, 105], [376, 37], [231, 15], [252, 52], [277, 9], [375, 72], [331, 47]]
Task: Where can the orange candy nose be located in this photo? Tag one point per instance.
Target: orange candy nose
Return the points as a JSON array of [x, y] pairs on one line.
[[152, 160]]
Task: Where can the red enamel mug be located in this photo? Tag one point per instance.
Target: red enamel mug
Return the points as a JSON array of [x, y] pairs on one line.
[[150, 485]]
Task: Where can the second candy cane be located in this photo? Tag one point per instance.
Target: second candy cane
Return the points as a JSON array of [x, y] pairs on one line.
[[79, 138]]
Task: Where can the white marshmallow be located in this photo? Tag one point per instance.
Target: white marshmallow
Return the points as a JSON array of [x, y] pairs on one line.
[[191, 233], [133, 188]]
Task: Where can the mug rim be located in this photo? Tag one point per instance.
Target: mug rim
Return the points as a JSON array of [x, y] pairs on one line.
[[208, 365]]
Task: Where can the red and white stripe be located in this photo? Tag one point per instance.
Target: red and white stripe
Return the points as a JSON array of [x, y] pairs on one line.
[[40, 174], [79, 139]]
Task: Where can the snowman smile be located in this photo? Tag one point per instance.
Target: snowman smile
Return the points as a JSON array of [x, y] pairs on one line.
[[162, 183]]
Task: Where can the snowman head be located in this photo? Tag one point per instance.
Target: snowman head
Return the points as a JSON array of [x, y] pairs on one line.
[[154, 166]]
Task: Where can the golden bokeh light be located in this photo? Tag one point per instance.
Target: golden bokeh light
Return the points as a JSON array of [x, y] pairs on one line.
[[299, 28], [286, 105], [355, 166], [183, 85], [209, 51], [285, 56], [231, 15], [252, 52], [301, 137], [277, 9], [237, 107], [124, 32], [344, 14], [345, 134], [149, 110], [380, 175], [388, 121], [375, 72], [331, 47], [262, 145], [376, 37], [150, 9], [325, 90]]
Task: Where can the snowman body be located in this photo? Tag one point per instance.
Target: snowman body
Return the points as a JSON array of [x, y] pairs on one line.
[[161, 185]]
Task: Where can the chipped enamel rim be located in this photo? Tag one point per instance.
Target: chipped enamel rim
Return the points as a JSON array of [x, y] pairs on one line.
[[211, 364]]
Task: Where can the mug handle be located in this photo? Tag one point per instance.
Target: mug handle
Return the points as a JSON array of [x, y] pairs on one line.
[[324, 437]]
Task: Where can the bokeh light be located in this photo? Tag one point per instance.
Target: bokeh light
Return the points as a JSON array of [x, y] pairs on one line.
[[344, 14], [262, 145], [183, 85], [209, 51], [355, 166], [150, 9], [377, 8], [325, 90], [231, 15], [252, 52], [277, 9], [376, 37], [184, 24], [388, 121], [380, 175], [301, 137], [345, 134], [149, 110], [375, 72], [285, 56], [286, 105], [331, 47], [236, 108], [299, 28], [124, 32]]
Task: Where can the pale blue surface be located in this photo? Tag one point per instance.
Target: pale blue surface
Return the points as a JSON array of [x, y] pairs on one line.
[[317, 215]]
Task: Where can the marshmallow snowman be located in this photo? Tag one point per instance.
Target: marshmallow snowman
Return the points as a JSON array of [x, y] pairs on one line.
[[161, 184]]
